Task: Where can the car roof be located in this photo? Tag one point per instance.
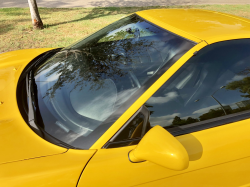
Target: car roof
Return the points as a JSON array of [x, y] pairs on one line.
[[198, 25]]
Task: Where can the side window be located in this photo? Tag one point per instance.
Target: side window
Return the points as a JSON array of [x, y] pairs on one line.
[[213, 84], [210, 89], [132, 132]]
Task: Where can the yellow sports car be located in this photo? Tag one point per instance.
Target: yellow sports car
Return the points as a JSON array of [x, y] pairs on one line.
[[158, 98]]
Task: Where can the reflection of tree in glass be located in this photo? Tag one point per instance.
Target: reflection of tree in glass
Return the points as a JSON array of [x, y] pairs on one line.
[[123, 34], [242, 108], [242, 85], [93, 65], [246, 71], [79, 72], [177, 121], [117, 36], [112, 53], [213, 113]]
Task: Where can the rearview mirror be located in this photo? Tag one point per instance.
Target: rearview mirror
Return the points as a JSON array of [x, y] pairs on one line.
[[160, 147]]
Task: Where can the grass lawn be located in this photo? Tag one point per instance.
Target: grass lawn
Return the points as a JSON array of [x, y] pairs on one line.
[[64, 26]]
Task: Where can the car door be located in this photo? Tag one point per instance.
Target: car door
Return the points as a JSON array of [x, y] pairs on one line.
[[205, 105], [51, 171]]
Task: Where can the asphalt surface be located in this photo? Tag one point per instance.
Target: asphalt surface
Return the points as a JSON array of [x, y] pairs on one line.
[[114, 3]]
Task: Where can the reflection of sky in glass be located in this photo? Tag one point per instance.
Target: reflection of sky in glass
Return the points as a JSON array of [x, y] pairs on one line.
[[201, 86], [163, 106], [95, 104], [82, 85]]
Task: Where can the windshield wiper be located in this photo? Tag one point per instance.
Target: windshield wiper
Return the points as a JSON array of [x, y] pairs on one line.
[[31, 110], [34, 113]]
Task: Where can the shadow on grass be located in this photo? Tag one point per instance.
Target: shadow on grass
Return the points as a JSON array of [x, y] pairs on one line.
[[4, 28], [93, 13], [89, 13], [106, 11], [141, 3], [10, 25], [102, 3]]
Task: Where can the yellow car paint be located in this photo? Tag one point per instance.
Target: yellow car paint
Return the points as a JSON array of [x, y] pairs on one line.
[[188, 24], [214, 154], [18, 141], [220, 175], [218, 155], [164, 150], [62, 170], [218, 149], [200, 24]]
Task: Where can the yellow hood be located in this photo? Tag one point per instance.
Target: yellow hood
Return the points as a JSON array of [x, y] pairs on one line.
[[17, 140]]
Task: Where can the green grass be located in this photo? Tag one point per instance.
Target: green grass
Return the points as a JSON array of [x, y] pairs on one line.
[[64, 26]]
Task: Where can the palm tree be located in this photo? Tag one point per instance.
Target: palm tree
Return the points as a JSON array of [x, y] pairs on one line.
[[36, 20]]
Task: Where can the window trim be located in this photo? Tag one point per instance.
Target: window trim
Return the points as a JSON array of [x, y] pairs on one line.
[[145, 112], [211, 123], [186, 129]]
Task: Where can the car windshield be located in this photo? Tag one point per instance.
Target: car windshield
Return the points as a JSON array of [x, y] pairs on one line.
[[81, 88]]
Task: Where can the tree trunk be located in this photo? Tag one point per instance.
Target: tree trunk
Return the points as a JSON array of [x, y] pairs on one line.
[[36, 20]]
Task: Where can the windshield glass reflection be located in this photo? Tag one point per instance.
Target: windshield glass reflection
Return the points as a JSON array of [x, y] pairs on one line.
[[214, 83], [82, 85]]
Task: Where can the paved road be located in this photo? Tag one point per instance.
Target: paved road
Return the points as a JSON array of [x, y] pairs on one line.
[[114, 3]]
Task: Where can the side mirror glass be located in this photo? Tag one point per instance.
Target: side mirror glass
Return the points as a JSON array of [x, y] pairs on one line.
[[160, 147]]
